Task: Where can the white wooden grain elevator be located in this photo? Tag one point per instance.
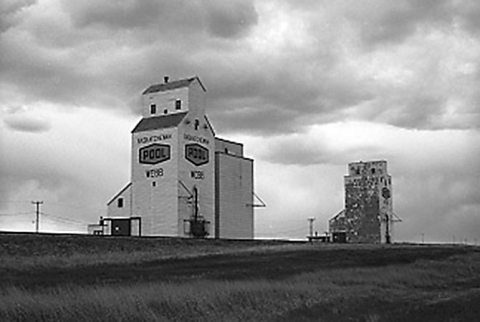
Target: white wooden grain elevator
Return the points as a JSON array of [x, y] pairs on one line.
[[185, 182]]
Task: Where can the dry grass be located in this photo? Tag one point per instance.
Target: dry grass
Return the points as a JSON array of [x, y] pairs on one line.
[[26, 252], [368, 294]]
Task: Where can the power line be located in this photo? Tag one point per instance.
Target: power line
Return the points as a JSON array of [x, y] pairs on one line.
[[58, 204], [65, 223], [79, 222], [16, 214], [74, 207], [16, 201]]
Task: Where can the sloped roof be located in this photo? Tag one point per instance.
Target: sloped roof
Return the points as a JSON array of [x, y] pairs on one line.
[[172, 85], [119, 193], [209, 125], [340, 214], [159, 122]]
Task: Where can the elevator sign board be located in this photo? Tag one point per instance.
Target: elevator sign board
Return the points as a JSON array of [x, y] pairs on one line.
[[154, 153], [196, 154]]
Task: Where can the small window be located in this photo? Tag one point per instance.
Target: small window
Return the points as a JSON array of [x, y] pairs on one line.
[[178, 104], [120, 202], [197, 124], [165, 111], [154, 184], [373, 170], [153, 109]]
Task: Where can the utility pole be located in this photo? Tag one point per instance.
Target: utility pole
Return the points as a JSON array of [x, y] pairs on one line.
[[37, 212], [310, 223]]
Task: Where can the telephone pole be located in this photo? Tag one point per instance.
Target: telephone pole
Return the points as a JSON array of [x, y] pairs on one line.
[[37, 214], [311, 220]]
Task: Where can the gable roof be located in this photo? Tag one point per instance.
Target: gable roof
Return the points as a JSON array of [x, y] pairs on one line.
[[209, 125], [119, 193], [172, 85], [340, 214], [159, 122]]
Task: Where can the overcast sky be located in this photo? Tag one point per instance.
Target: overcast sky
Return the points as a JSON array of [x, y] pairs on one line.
[[307, 86]]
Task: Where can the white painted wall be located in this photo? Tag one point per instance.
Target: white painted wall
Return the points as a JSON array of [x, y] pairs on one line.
[[201, 176], [113, 210], [164, 207], [157, 205], [161, 201], [196, 99], [165, 101], [234, 193]]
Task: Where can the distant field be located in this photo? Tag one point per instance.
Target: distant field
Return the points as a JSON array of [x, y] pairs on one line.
[[87, 278], [23, 251]]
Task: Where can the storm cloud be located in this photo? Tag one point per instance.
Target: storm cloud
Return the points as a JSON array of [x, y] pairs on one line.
[[308, 85], [387, 60]]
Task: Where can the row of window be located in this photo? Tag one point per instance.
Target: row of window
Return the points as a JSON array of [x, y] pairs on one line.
[[373, 170], [153, 107]]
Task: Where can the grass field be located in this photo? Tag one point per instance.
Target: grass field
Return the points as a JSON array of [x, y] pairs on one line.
[[87, 278]]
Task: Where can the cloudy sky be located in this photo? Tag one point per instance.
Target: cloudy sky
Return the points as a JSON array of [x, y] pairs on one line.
[[307, 86]]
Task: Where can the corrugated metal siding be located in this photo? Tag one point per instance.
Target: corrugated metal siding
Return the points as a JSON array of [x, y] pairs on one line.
[[234, 196]]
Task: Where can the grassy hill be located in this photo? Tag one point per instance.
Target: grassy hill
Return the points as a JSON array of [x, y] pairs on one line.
[[87, 278]]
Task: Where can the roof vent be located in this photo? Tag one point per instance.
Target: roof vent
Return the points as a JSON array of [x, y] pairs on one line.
[[165, 79]]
